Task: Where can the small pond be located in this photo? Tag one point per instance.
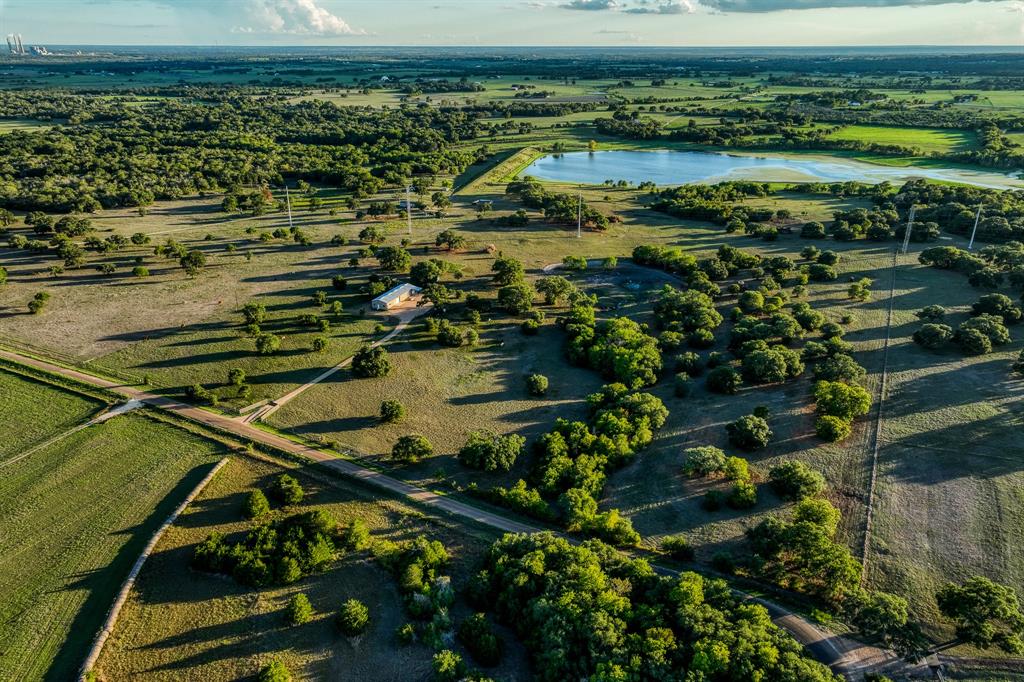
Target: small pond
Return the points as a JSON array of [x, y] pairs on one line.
[[666, 167]]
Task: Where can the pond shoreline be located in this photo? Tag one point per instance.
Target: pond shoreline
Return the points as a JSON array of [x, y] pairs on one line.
[[668, 167]]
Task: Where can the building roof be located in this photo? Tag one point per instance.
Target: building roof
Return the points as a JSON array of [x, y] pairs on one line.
[[404, 288]]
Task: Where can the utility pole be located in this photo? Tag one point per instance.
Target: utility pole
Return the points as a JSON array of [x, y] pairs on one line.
[[579, 216], [977, 217], [910, 225], [408, 209], [288, 201]]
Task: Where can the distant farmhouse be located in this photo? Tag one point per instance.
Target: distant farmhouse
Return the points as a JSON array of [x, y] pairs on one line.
[[392, 297]]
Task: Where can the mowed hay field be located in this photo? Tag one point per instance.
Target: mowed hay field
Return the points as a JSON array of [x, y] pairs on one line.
[[33, 412], [950, 490], [926, 139], [180, 624], [74, 517]]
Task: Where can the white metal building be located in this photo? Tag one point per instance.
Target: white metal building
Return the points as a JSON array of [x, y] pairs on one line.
[[394, 296]]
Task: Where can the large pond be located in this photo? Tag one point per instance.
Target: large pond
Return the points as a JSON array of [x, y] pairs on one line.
[[676, 168]]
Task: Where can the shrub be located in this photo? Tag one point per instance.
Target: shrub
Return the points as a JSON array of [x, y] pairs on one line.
[[677, 547], [371, 362], [355, 535], [736, 469], [477, 635], [701, 338], [712, 500], [703, 461], [256, 505], [999, 305], [989, 325], [828, 257], [812, 230], [724, 380], [286, 490], [530, 327], [743, 495], [820, 272], [320, 343], [690, 363], [931, 313], [682, 385], [831, 330], [448, 666], [574, 263], [794, 480], [516, 299], [267, 344], [832, 429], [749, 432], [841, 400], [537, 384], [488, 451], [412, 448], [299, 610], [353, 617], [391, 411], [839, 367], [1018, 364], [932, 335], [973, 342], [275, 671]]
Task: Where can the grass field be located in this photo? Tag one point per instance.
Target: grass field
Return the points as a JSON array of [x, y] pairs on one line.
[[447, 394], [951, 465], [179, 624], [39, 410], [75, 516], [926, 139], [10, 125]]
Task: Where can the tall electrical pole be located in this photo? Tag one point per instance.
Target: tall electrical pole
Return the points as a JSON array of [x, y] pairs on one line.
[[910, 225], [288, 201], [579, 216], [408, 210], [977, 217]]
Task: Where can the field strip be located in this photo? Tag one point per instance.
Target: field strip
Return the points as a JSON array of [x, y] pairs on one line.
[[129, 582], [120, 409], [878, 421], [840, 652]]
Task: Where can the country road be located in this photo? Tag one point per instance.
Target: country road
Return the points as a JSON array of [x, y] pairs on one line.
[[844, 655]]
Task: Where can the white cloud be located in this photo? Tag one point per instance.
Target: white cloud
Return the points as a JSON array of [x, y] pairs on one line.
[[666, 7], [297, 17]]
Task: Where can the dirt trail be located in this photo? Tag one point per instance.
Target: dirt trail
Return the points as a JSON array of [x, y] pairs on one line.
[[406, 314]]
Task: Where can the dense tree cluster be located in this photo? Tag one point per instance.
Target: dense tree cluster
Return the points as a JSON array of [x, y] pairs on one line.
[[588, 612], [279, 551], [131, 155], [417, 566], [560, 208]]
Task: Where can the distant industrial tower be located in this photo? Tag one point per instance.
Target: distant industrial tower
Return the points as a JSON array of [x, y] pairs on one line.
[[14, 44]]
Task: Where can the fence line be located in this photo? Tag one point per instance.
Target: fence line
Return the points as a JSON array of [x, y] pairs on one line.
[[126, 587], [878, 420]]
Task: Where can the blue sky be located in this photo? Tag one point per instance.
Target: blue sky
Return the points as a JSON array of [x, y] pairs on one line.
[[516, 22]]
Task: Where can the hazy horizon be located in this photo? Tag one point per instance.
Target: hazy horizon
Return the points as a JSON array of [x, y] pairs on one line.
[[501, 23]]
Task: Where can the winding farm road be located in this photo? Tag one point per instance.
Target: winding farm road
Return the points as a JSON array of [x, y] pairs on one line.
[[844, 655]]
